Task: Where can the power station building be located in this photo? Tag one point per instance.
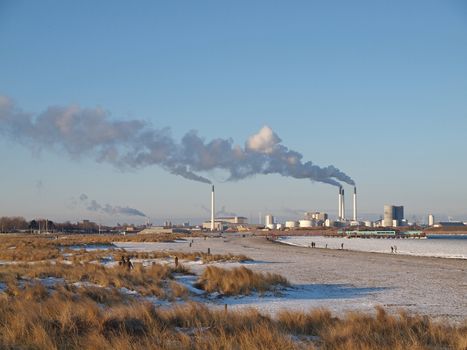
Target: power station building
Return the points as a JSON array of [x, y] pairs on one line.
[[318, 216], [393, 215], [225, 222]]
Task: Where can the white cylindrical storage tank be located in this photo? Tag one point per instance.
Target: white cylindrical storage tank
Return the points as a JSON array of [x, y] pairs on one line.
[[290, 224], [304, 223], [279, 226], [269, 220], [395, 223], [431, 220], [328, 223]]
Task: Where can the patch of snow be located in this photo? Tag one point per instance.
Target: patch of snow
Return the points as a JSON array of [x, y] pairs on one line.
[[127, 291], [90, 247], [80, 284], [50, 281], [188, 281], [449, 248]]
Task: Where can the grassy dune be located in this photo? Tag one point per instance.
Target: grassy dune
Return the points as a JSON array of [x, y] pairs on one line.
[[68, 319], [155, 280], [46, 248], [85, 307], [238, 281]]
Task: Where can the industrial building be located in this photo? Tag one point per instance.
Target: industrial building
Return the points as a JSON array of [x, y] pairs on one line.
[[317, 216], [449, 224], [393, 215], [213, 225], [223, 223], [240, 220], [431, 220], [269, 220]]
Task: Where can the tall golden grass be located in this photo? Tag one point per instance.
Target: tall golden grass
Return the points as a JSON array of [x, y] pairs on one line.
[[40, 248], [64, 319], [97, 315], [238, 281], [154, 280]]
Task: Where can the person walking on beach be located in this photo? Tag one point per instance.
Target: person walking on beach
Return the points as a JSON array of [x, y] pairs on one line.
[[129, 264], [392, 249], [395, 249], [176, 261], [342, 245]]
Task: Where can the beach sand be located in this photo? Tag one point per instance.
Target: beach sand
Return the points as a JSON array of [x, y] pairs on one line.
[[341, 280]]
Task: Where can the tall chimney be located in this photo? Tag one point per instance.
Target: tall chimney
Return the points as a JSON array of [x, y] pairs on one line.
[[355, 203], [339, 216], [212, 209], [343, 205]]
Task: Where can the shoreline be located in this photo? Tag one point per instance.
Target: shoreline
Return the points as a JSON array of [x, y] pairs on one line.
[[406, 247]]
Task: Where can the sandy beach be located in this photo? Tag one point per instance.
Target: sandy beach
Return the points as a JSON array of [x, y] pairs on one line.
[[341, 280]]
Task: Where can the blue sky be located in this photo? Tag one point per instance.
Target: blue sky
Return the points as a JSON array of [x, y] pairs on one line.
[[375, 88]]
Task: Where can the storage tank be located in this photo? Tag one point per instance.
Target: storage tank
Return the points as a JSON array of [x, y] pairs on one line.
[[271, 226], [304, 223], [279, 226], [290, 224], [431, 220], [269, 220]]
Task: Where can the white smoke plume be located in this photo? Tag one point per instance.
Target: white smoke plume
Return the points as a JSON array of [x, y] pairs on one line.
[[93, 205], [135, 144]]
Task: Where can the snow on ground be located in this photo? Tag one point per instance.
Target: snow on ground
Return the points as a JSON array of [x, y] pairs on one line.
[[90, 247], [339, 280], [441, 248]]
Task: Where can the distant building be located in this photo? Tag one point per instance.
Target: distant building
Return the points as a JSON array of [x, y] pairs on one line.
[[269, 220], [218, 225], [431, 219], [393, 215], [450, 224], [233, 219], [222, 223], [318, 216]]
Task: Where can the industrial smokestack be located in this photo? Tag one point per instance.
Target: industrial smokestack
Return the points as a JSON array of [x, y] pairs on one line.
[[343, 205], [355, 203], [339, 216], [212, 208]]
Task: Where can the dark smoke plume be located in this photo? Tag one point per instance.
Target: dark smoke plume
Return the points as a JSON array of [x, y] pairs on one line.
[[135, 144], [93, 205]]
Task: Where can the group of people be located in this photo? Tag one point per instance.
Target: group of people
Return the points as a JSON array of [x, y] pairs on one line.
[[125, 262], [393, 249]]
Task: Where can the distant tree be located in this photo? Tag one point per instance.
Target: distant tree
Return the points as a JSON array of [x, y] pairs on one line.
[[12, 224], [33, 225]]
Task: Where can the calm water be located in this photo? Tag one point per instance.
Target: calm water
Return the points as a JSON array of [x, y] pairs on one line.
[[450, 237]]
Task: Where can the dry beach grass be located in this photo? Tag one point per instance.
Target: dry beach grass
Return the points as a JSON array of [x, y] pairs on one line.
[[66, 319], [238, 281], [47, 248], [75, 302]]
